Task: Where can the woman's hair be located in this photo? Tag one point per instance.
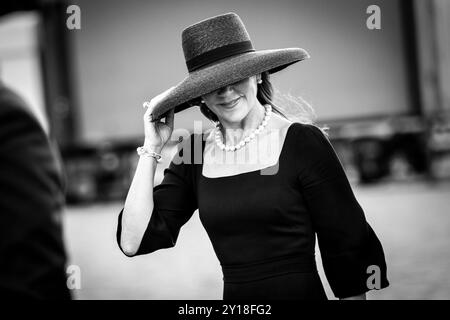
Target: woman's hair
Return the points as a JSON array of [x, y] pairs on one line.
[[294, 108]]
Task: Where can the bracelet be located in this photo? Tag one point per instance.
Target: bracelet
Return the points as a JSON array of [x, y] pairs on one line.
[[142, 151]]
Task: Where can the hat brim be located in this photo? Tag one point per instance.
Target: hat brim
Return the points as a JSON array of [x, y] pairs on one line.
[[225, 72]]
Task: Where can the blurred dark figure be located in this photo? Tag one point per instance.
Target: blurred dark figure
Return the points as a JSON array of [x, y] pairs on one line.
[[32, 253]]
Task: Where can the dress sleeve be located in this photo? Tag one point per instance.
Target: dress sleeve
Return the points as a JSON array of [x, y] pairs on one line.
[[174, 202], [347, 243]]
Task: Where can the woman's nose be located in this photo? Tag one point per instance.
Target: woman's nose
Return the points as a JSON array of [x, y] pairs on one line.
[[224, 90]]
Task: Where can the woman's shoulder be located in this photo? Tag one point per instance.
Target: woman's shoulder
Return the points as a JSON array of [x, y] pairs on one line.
[[313, 149], [302, 128], [309, 135]]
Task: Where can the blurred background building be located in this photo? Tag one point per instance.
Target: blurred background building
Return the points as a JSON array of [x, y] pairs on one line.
[[384, 94]]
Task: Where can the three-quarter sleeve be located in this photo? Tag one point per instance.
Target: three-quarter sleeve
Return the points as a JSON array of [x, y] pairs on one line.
[[349, 247], [174, 202]]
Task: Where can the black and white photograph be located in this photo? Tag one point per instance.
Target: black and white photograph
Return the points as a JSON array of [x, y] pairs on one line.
[[235, 151]]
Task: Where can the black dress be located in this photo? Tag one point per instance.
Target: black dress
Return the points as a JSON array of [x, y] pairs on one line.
[[262, 224]]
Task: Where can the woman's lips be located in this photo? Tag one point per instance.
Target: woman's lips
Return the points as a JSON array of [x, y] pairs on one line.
[[231, 104]]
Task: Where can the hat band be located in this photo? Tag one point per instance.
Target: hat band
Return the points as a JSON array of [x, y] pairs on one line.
[[218, 53]]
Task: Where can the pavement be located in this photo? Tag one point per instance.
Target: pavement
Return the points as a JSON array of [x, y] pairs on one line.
[[412, 220]]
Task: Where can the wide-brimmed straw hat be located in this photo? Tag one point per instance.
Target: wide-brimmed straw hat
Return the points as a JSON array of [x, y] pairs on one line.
[[218, 52]]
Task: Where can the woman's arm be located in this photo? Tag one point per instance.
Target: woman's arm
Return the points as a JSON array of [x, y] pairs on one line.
[[348, 245], [139, 202], [138, 205], [161, 212]]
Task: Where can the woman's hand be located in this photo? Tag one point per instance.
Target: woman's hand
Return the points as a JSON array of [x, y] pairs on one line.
[[157, 133]]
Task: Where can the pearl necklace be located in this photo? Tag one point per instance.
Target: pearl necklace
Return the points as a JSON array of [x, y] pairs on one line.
[[249, 138]]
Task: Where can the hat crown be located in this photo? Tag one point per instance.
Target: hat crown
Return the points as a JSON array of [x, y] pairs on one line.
[[214, 39]]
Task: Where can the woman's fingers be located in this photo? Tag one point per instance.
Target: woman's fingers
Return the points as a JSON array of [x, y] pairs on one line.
[[170, 115], [148, 112], [157, 99], [150, 105]]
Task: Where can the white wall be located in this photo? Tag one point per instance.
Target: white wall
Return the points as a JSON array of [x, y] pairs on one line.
[[129, 51]]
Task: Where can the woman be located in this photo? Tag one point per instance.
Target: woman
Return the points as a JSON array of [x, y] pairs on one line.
[[261, 216]]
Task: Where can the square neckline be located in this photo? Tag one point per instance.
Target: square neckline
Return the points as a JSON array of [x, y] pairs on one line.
[[253, 171]]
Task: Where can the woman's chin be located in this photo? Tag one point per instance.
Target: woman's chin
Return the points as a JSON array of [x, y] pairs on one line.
[[235, 116]]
